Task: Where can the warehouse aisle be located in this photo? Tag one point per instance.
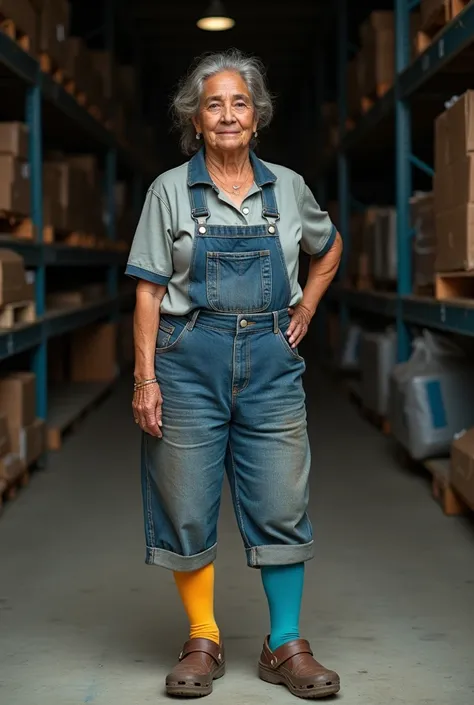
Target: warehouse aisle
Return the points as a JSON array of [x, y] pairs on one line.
[[82, 619]]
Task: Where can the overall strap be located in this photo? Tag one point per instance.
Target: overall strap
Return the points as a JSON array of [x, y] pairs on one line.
[[199, 210], [270, 208]]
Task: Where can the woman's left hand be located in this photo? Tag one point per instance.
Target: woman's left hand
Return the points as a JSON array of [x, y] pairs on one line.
[[300, 320]]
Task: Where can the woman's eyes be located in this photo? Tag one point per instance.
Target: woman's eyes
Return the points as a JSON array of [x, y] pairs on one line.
[[216, 106]]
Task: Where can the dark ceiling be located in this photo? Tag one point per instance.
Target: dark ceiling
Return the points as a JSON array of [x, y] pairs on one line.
[[163, 37]]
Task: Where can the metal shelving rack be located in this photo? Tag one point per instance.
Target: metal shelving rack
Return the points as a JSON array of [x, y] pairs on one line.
[[412, 79], [37, 98]]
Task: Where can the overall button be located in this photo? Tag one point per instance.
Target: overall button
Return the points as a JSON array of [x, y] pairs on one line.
[[271, 229], [245, 210], [243, 323], [202, 229]]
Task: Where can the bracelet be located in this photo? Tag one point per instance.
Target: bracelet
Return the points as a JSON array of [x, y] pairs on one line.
[[139, 385]]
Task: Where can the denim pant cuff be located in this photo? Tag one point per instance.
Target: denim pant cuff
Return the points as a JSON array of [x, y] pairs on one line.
[[182, 564], [284, 554]]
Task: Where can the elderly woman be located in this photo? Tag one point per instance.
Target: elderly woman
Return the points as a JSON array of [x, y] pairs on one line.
[[218, 376]]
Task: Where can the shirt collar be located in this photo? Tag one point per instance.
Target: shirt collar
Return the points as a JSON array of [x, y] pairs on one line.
[[198, 173]]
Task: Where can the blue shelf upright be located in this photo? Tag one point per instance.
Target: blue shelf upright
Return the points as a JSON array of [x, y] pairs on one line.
[[403, 172], [40, 352]]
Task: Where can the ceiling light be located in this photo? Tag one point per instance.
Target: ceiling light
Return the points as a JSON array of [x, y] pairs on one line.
[[215, 19]]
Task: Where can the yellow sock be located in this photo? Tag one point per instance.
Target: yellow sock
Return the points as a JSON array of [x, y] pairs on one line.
[[196, 590]]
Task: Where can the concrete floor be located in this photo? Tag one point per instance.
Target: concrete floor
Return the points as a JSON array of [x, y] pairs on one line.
[[389, 599]]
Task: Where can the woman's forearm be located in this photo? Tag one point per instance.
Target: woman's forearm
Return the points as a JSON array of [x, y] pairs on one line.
[[145, 327], [322, 271]]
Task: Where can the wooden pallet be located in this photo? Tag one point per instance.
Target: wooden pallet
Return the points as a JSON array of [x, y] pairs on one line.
[[442, 490], [454, 285], [9, 490], [24, 228], [377, 420], [70, 404], [11, 29], [367, 102], [434, 24], [18, 312]]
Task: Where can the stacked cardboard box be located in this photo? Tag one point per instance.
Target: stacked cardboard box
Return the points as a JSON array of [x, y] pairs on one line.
[[423, 242], [23, 14], [377, 56], [454, 186], [80, 66], [22, 433], [14, 168], [13, 281], [94, 353], [86, 165], [53, 18], [462, 466]]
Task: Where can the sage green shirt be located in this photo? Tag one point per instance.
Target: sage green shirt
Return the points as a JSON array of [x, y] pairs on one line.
[[162, 245]]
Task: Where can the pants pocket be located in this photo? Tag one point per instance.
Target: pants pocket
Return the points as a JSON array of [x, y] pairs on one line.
[[286, 344], [239, 281], [169, 336]]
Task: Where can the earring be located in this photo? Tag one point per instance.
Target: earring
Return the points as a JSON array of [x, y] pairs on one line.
[[255, 134], [198, 135]]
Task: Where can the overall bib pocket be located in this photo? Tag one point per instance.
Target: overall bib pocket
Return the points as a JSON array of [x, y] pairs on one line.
[[239, 281]]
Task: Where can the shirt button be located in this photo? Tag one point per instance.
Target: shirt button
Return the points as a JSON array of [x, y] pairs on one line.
[[243, 323], [245, 210]]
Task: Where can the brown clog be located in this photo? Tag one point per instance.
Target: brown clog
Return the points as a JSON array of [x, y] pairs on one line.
[[293, 665], [201, 662]]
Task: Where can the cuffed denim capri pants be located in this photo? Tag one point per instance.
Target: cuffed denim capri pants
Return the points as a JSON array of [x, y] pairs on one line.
[[233, 402]]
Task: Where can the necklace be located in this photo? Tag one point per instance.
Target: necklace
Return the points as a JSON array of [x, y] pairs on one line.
[[235, 187]]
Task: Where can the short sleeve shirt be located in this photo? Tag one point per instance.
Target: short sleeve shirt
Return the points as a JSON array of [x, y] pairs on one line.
[[162, 247]]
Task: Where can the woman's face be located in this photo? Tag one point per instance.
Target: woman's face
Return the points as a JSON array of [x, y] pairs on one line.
[[226, 116]]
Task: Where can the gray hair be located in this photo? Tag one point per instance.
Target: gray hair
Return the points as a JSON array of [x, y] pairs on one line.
[[186, 101]]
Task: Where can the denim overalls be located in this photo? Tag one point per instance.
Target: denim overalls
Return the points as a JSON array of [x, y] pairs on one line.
[[233, 400]]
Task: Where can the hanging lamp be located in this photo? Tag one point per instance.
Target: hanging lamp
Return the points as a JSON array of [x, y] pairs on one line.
[[215, 19]]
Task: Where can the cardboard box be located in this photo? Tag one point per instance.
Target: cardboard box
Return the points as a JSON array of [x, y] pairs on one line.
[[18, 399], [430, 10], [462, 466], [94, 353], [64, 299], [104, 64], [461, 127], [462, 177], [378, 21], [443, 188], [442, 151], [52, 207], [29, 442], [455, 239], [454, 184], [5, 442], [424, 240], [14, 139], [53, 29], [12, 277], [23, 14], [11, 467], [14, 185]]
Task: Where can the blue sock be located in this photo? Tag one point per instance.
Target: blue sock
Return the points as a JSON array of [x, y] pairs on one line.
[[283, 586]]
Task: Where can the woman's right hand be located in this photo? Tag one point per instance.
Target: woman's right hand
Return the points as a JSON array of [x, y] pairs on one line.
[[147, 404]]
